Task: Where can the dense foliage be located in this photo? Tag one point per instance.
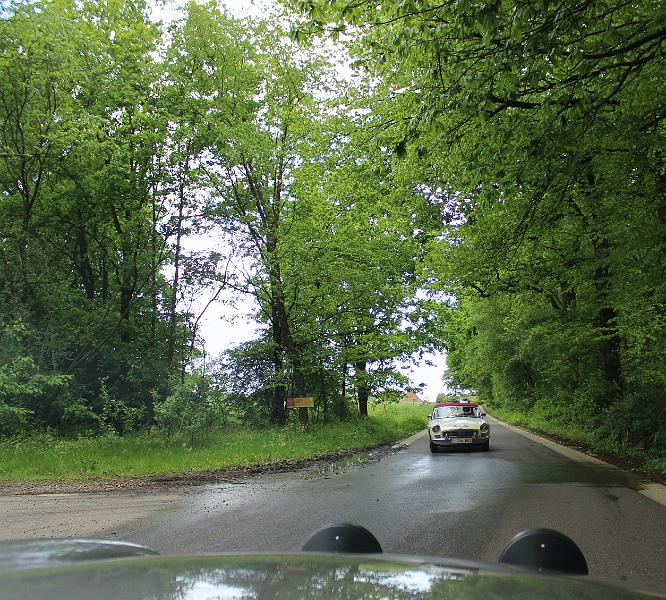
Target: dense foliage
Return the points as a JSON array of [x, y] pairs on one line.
[[83, 297], [123, 145], [539, 127], [491, 181]]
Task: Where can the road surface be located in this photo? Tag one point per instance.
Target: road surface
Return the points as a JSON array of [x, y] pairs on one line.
[[458, 503]]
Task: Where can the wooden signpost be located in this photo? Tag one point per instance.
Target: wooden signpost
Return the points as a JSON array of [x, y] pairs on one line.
[[304, 402]]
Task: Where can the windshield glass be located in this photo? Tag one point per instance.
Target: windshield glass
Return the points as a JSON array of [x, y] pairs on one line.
[[447, 412]]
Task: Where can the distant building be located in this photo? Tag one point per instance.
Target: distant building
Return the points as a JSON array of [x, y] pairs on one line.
[[410, 398]]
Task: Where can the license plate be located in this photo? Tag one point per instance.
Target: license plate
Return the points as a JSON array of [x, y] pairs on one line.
[[461, 440]]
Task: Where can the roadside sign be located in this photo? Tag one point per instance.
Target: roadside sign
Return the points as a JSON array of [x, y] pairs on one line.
[[304, 402]]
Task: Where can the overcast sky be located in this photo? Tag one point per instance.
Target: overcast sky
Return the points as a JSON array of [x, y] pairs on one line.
[[165, 9]]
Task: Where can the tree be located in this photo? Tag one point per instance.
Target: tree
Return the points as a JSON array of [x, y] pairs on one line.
[[539, 129], [82, 247]]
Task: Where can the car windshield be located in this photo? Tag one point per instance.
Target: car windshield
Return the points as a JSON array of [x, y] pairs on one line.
[[447, 412]]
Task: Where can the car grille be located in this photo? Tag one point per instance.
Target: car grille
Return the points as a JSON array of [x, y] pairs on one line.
[[461, 433]]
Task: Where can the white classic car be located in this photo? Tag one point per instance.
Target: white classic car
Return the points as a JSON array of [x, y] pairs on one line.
[[458, 424]]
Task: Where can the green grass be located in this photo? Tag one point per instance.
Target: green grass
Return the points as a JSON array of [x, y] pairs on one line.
[[539, 423], [45, 457]]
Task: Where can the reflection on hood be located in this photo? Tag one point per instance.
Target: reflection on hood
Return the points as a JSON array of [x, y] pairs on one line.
[[286, 577]]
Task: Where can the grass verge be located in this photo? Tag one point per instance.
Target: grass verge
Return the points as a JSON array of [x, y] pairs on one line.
[[45, 457], [622, 455]]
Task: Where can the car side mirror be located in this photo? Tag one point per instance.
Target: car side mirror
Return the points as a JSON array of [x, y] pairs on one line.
[[429, 417], [483, 414]]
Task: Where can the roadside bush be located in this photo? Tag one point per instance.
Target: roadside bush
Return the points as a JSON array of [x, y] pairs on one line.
[[194, 408], [250, 409], [23, 386], [13, 420], [117, 415], [77, 418]]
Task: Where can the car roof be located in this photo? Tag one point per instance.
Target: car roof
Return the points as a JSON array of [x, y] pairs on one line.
[[455, 404]]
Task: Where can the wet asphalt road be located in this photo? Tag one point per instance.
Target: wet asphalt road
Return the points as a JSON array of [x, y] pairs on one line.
[[458, 504]]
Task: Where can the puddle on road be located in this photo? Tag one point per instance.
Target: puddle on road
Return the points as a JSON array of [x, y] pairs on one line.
[[597, 475], [342, 465]]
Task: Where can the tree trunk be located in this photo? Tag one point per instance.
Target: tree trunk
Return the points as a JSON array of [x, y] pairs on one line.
[[281, 331], [23, 242], [125, 305], [610, 346], [176, 265], [85, 268], [153, 265], [323, 396], [660, 192], [362, 389], [299, 387], [105, 280], [278, 407]]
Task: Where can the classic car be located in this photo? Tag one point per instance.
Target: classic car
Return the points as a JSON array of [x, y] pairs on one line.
[[455, 424]]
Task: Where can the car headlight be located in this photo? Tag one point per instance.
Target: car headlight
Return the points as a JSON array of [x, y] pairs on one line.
[[436, 428], [484, 427]]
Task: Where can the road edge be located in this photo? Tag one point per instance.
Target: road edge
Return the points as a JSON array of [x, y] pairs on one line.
[[654, 491], [167, 481], [412, 438]]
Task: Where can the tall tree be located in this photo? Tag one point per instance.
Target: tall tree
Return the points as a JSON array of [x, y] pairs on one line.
[[82, 205], [539, 129]]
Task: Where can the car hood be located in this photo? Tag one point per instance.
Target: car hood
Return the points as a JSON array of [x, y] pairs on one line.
[[458, 423], [303, 575]]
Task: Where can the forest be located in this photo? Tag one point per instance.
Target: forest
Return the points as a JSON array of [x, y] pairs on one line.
[[483, 178]]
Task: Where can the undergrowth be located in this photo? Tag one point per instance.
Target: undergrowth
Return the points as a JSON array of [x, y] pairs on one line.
[[44, 456], [652, 460]]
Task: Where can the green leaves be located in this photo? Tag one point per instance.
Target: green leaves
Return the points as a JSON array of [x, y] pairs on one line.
[[533, 127]]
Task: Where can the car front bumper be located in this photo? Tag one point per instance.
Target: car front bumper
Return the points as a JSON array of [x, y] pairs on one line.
[[457, 441]]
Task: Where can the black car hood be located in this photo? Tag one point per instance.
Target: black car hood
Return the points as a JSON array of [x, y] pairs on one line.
[[46, 572]]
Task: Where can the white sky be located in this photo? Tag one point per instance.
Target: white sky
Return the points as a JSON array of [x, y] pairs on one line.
[[229, 323], [166, 9]]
